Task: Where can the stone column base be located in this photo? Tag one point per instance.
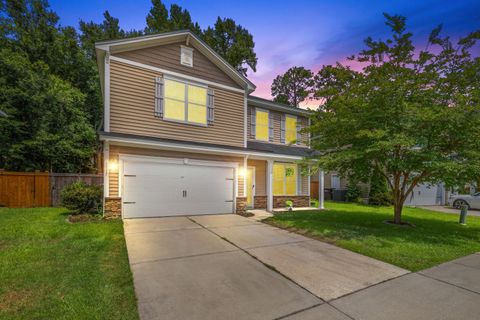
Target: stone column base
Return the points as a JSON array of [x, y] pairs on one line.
[[113, 208], [260, 202], [241, 207]]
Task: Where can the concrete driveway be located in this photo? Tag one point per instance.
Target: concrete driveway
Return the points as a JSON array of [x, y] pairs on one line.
[[230, 267], [442, 209]]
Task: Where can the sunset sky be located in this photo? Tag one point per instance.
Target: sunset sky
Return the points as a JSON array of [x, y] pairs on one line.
[[295, 33]]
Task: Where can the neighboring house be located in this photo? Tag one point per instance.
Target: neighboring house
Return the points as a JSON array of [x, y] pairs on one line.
[[182, 135]]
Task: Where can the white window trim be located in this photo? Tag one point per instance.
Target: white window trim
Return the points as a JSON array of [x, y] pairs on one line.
[[186, 83], [268, 123], [284, 194], [296, 124]]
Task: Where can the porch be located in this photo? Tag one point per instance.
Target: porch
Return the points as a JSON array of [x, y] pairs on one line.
[[266, 184]]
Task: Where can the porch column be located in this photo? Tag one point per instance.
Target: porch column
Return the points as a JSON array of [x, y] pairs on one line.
[[269, 185], [321, 185], [245, 168]]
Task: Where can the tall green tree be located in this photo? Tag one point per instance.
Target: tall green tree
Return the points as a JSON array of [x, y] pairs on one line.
[[49, 90], [234, 43], [44, 128], [159, 19], [92, 32], [292, 87], [411, 115]]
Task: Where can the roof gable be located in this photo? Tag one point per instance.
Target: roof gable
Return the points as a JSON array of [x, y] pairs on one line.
[[117, 46]]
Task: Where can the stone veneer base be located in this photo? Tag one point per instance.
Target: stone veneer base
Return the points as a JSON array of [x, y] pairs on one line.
[[113, 208]]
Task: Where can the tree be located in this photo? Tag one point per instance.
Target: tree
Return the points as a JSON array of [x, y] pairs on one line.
[[93, 32], [233, 42], [411, 116], [44, 129], [50, 92], [293, 87], [159, 19]]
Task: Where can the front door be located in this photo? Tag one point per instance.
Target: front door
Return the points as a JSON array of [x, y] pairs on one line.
[[250, 181]]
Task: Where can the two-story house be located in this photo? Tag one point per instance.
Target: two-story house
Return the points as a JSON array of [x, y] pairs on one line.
[[182, 135]]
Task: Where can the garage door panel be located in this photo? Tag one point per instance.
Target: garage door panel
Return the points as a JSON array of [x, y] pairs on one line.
[[152, 189], [209, 189]]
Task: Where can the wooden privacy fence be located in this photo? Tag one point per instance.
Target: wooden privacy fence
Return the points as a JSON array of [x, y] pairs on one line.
[[58, 181], [38, 189], [24, 189]]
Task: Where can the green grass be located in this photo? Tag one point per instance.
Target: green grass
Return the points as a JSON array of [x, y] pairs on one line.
[[52, 269], [436, 237]]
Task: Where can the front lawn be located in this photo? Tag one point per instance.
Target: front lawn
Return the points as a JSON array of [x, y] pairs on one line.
[[52, 269], [436, 238]]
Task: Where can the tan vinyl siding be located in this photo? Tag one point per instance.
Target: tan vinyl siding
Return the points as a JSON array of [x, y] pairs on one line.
[[168, 57], [116, 150], [277, 118], [132, 104], [260, 176], [304, 184]]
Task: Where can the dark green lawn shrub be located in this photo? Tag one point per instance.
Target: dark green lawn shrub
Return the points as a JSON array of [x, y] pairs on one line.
[[80, 197], [353, 193], [379, 194]]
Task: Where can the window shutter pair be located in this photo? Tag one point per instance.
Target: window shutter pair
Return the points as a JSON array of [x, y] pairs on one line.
[[210, 106], [160, 101], [159, 97], [282, 128], [270, 126], [253, 122]]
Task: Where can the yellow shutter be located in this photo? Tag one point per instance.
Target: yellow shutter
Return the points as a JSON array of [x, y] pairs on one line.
[[290, 129], [261, 131]]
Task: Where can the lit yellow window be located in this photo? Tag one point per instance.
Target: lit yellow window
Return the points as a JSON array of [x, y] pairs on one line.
[[290, 179], [261, 125], [284, 179], [176, 106], [278, 179], [290, 129], [197, 104], [174, 100]]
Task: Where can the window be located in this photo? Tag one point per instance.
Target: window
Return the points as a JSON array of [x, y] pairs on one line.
[[185, 102], [284, 179], [261, 127], [290, 129]]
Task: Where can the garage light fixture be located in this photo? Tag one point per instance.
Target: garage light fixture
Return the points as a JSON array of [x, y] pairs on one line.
[[113, 166], [242, 172]]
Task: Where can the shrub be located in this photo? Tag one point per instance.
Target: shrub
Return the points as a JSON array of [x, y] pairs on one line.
[[289, 204], [80, 197], [353, 193], [379, 194]]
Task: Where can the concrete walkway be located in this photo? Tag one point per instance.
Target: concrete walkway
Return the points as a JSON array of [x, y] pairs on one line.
[[230, 267]]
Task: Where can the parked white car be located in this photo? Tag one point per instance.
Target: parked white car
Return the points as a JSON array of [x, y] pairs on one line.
[[472, 201]]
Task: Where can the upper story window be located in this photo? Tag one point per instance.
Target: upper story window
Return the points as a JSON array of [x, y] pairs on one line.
[[183, 101], [290, 129], [186, 56], [262, 124]]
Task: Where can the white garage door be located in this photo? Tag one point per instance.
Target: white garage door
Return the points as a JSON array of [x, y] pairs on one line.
[[153, 189]]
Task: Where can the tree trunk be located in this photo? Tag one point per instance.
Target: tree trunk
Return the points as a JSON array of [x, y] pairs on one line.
[[397, 211]]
